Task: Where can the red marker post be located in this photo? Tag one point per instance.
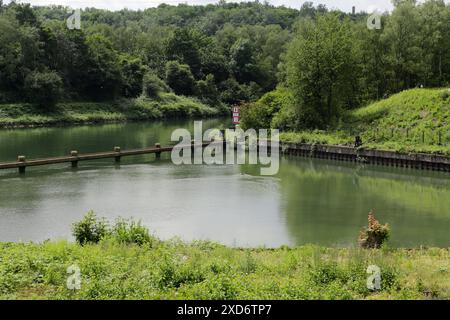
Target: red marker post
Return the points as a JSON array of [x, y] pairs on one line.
[[236, 115]]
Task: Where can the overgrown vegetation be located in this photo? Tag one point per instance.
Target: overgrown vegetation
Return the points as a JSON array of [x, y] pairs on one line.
[[124, 261], [418, 116], [336, 63], [416, 120], [334, 68], [91, 230], [274, 109], [166, 105], [203, 270]]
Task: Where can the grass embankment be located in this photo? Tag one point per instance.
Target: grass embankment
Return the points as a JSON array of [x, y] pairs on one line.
[[416, 120], [203, 270], [167, 105]]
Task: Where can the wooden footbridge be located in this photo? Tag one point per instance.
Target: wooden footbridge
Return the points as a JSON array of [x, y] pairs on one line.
[[74, 157], [343, 153]]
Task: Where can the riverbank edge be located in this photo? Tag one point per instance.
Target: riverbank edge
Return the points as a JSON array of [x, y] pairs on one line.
[[204, 270], [169, 106], [424, 161], [62, 124], [66, 124]]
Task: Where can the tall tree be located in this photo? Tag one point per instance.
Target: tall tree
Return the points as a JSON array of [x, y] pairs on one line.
[[435, 38], [371, 52], [243, 62], [406, 52], [103, 70], [319, 60], [184, 46]]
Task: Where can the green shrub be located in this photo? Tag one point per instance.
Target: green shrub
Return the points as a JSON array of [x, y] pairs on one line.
[[217, 287], [260, 114], [232, 92], [132, 72], [90, 229], [179, 77], [207, 91], [128, 231], [174, 273], [153, 85], [285, 119], [125, 231], [445, 94], [43, 88], [248, 264], [325, 273]]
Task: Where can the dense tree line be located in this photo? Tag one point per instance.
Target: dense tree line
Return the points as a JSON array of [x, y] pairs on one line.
[[226, 53], [221, 54]]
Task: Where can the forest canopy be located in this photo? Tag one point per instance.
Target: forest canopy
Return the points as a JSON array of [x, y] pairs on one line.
[[322, 61]]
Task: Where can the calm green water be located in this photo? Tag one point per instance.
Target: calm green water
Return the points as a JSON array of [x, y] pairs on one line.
[[309, 201]]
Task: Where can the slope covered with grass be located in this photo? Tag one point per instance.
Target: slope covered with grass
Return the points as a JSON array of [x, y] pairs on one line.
[[416, 120], [417, 110], [413, 120]]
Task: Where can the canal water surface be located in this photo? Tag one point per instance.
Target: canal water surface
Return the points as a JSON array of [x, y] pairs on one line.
[[309, 201]]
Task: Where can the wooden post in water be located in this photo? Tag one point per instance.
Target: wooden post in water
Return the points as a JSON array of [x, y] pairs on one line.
[[74, 153], [21, 159], [222, 131], [117, 150], [158, 154]]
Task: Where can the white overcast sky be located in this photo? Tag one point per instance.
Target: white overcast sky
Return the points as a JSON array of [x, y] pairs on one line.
[[344, 5]]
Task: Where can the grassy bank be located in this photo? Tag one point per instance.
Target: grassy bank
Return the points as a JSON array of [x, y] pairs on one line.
[[415, 120], [203, 270], [167, 105]]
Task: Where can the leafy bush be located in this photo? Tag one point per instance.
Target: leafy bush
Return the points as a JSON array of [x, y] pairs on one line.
[[375, 235], [207, 91], [248, 264], [126, 231], [260, 114], [132, 72], [43, 88], [173, 273], [131, 232], [251, 91], [325, 273], [153, 85], [90, 229], [445, 94], [286, 119], [217, 287], [233, 92], [179, 77]]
